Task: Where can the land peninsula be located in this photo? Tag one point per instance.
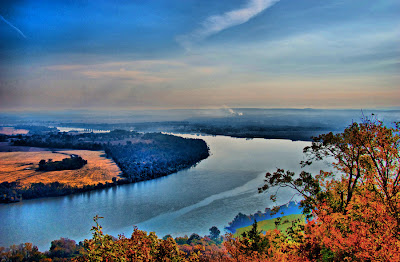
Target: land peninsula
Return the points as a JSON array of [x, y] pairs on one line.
[[107, 159]]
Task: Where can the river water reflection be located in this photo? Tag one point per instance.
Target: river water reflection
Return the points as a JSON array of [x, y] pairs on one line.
[[192, 200]]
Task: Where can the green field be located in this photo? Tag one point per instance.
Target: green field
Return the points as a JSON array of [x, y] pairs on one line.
[[269, 224]]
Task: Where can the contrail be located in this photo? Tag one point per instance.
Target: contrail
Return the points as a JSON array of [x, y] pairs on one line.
[[12, 26], [217, 23]]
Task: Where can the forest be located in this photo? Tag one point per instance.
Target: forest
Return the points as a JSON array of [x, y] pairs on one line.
[[166, 154], [352, 214]]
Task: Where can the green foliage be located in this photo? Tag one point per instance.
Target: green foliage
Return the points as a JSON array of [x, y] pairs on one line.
[[253, 240], [269, 224], [327, 255]]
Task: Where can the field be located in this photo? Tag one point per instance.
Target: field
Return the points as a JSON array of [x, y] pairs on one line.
[[269, 224], [21, 166]]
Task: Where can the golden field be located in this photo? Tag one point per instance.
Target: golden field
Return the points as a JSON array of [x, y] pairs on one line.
[[21, 166]]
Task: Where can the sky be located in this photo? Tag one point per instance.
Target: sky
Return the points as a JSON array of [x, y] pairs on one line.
[[167, 54]]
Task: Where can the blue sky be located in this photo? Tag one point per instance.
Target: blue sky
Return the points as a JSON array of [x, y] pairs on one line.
[[199, 54]]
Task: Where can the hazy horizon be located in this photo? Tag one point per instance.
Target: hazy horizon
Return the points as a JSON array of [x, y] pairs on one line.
[[155, 110]]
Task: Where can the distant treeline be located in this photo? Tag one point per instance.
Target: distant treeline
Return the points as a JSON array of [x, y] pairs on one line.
[[59, 140], [85, 141], [234, 127], [36, 129]]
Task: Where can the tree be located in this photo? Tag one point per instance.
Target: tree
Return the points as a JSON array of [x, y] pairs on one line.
[[193, 238], [366, 154], [255, 241], [42, 164], [356, 211], [139, 247], [214, 232], [63, 248], [256, 246], [167, 236]]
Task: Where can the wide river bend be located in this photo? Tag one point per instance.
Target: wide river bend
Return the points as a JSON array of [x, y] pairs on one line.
[[210, 194]]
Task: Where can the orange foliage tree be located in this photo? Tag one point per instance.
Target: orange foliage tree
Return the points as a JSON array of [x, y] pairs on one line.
[[139, 247], [356, 212]]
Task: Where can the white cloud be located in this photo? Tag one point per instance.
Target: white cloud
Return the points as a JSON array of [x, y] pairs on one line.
[[137, 64], [215, 24], [141, 71], [123, 74]]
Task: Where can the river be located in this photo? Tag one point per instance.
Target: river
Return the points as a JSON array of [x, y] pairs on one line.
[[210, 194]]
